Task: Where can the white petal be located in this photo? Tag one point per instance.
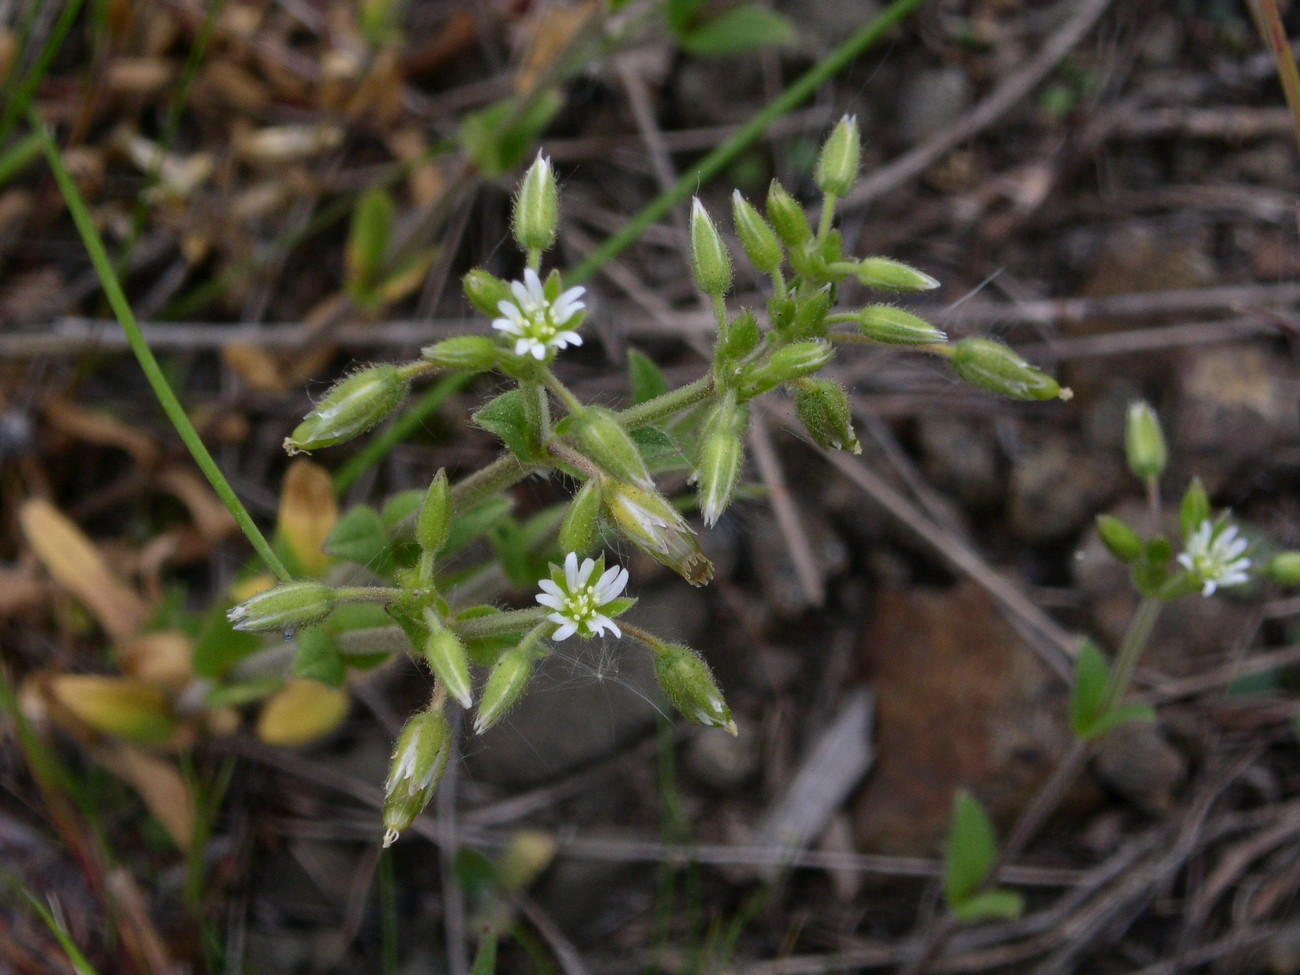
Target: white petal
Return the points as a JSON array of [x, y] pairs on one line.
[[584, 573], [522, 346], [613, 582], [1186, 561], [506, 325], [551, 602], [563, 339], [571, 571], [565, 631], [551, 586], [534, 285], [1208, 591], [539, 351]]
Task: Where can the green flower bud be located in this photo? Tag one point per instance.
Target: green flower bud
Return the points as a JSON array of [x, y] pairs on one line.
[[464, 353], [485, 291], [793, 361], [1194, 510], [537, 207], [445, 655], [721, 457], [350, 408], [740, 338], [710, 259], [841, 156], [506, 682], [1284, 568], [433, 526], [885, 274], [578, 530], [688, 683], [1144, 442], [894, 326], [419, 758], [284, 607], [810, 310], [787, 216], [600, 437], [756, 236], [652, 524], [823, 406], [1121, 540], [992, 366]]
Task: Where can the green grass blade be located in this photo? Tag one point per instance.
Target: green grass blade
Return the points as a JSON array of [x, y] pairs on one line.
[[21, 97], [713, 163], [148, 364]]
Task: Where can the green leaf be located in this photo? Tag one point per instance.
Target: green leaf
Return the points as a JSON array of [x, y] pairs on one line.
[[1091, 674], [499, 137], [1112, 719], [506, 417], [485, 960], [990, 905], [476, 522], [359, 536], [970, 852], [402, 506], [372, 226], [245, 692], [681, 14], [738, 30], [318, 659], [1194, 509], [507, 540], [660, 451], [647, 379], [218, 646]]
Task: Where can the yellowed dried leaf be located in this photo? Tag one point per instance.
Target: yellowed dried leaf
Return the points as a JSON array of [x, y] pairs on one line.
[[138, 76], [119, 706], [212, 518], [304, 711], [278, 144], [308, 513], [159, 784], [258, 369], [160, 659], [224, 81], [76, 565], [99, 428], [549, 34]]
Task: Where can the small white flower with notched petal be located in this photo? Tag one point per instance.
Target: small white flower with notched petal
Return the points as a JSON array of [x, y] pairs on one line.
[[1214, 556], [577, 600], [536, 323]]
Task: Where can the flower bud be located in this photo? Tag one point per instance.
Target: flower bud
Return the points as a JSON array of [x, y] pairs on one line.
[[350, 408], [485, 291], [1144, 442], [578, 529], [837, 166], [446, 657], [787, 216], [1194, 509], [823, 407], [433, 526], [809, 320], [465, 353], [601, 438], [1121, 540], [994, 367], [650, 522], [739, 339], [419, 758], [710, 259], [885, 274], [721, 457], [894, 326], [1284, 568], [284, 607], [506, 682], [789, 362], [756, 236], [537, 207], [688, 683]]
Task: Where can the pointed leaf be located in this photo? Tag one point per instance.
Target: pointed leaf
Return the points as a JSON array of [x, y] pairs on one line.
[[990, 905], [359, 536], [970, 851], [316, 658], [308, 513], [738, 30], [647, 379], [1091, 673], [506, 417]]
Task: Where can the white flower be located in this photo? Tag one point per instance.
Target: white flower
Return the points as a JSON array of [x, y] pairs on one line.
[[576, 600], [1213, 556], [535, 323]]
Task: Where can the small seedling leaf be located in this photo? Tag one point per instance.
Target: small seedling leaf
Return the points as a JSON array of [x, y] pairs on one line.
[[971, 850], [372, 225], [647, 379], [990, 905], [1091, 673], [738, 30]]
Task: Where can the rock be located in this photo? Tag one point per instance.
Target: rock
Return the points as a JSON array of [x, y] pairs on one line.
[[771, 558], [932, 101], [960, 456], [1138, 763], [961, 701], [1054, 490]]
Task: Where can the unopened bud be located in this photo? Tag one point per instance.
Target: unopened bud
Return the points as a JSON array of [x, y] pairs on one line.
[[446, 657], [1144, 442], [886, 274], [721, 457], [419, 758], [464, 353], [485, 291], [894, 326], [841, 156], [433, 526], [601, 438], [710, 259], [823, 406], [992, 366], [756, 235], [809, 320], [350, 408], [537, 207], [652, 524], [787, 216], [793, 361], [578, 529], [1120, 540], [688, 683], [1284, 568], [506, 682], [284, 607], [1194, 509], [740, 338]]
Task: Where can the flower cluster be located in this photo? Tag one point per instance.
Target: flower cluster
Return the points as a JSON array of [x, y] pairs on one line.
[[1215, 556], [536, 323], [577, 600]]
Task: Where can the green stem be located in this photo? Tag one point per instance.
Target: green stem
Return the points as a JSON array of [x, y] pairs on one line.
[[673, 401], [366, 594], [564, 394], [148, 364], [1287, 72], [19, 100], [566, 454], [1135, 641], [828, 215], [500, 624], [644, 636], [487, 481], [719, 158]]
